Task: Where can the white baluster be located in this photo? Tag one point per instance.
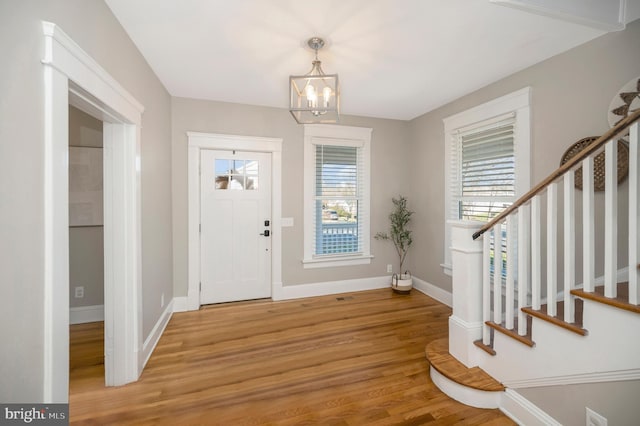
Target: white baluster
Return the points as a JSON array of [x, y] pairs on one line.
[[552, 248], [497, 274], [536, 264], [634, 215], [569, 246], [588, 221], [611, 219], [510, 282], [523, 266], [486, 287]]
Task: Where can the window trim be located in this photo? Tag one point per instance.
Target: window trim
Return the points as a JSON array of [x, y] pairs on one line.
[[519, 103], [325, 134]]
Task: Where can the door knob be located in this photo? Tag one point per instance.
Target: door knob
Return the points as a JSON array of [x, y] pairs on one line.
[[266, 233]]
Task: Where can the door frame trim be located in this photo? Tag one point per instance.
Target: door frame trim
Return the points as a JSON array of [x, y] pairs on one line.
[[199, 141], [73, 77]]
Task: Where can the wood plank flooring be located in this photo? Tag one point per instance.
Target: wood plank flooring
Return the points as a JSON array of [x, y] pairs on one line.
[[351, 359]]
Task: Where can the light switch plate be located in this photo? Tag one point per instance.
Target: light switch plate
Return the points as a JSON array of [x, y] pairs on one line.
[[286, 222]]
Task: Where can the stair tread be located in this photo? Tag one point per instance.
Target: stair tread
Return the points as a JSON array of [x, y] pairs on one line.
[[513, 333], [439, 357], [558, 319], [621, 301], [487, 348]]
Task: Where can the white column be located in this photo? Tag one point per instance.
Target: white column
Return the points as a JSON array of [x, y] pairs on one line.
[[465, 324], [611, 220], [536, 263], [510, 281], [497, 274], [634, 216], [552, 248], [486, 287], [524, 224], [569, 246], [588, 221]]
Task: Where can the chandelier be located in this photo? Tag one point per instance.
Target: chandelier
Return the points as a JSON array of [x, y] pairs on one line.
[[315, 96]]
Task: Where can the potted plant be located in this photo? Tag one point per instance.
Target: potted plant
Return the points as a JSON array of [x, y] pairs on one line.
[[401, 237]]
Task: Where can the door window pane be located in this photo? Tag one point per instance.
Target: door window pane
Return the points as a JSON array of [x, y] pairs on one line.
[[236, 174]]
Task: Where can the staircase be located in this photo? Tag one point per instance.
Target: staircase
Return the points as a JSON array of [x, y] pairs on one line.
[[519, 315]]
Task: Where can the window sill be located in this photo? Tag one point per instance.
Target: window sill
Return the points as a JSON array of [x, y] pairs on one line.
[[334, 261]]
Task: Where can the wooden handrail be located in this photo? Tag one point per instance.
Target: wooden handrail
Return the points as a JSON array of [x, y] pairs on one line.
[[590, 149]]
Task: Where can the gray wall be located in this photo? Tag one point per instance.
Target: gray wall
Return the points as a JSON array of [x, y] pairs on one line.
[[571, 93], [86, 243], [92, 25], [616, 401], [389, 159]]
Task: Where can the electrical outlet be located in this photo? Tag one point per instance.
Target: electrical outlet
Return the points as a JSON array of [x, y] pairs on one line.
[[389, 268], [79, 292], [162, 300], [595, 419]]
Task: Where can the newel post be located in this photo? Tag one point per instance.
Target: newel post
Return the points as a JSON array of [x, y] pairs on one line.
[[465, 324]]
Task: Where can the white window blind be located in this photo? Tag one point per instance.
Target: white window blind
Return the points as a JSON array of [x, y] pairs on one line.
[[338, 200], [487, 160], [483, 174]]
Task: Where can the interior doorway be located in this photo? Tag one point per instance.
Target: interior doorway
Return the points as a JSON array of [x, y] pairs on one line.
[[86, 245], [72, 77]]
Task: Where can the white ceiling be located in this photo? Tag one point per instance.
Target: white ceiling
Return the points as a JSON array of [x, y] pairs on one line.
[[395, 58]]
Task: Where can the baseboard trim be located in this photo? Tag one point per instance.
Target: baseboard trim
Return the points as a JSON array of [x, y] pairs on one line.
[[574, 379], [523, 411], [329, 287], [433, 291], [181, 304], [84, 314], [153, 338]]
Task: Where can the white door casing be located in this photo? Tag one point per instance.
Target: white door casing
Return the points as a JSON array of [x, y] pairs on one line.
[[212, 141], [71, 76], [235, 205]]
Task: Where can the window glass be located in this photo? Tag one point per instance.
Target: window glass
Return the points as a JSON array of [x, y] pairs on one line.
[[236, 174]]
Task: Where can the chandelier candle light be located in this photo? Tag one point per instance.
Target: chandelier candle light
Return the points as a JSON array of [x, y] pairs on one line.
[[315, 96]]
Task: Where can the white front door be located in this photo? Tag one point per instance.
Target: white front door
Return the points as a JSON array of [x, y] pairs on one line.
[[235, 217]]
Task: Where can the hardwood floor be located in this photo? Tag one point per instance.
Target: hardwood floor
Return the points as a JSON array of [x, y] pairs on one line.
[[350, 359]]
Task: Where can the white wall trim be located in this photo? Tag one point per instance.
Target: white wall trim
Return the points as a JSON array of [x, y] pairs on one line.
[[359, 284], [337, 135], [523, 411], [180, 304], [574, 379], [71, 73], [85, 314], [331, 287], [433, 291], [601, 15], [198, 141], [65, 55], [518, 102], [154, 337], [466, 395]]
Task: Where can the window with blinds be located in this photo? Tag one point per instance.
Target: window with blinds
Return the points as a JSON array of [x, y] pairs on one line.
[[338, 199], [484, 176]]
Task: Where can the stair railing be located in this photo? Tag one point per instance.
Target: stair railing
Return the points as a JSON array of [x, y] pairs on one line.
[[507, 263]]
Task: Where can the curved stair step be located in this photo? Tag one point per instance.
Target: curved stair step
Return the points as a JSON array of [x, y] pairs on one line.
[[471, 386]]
